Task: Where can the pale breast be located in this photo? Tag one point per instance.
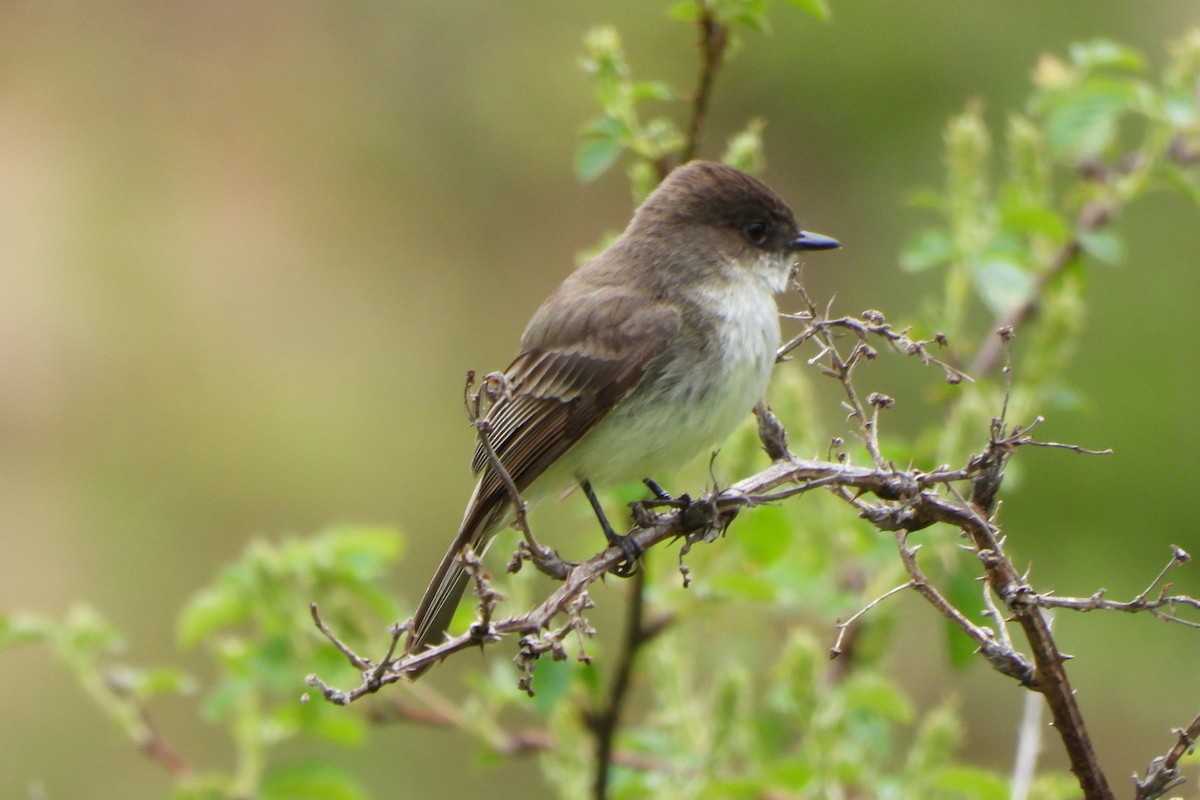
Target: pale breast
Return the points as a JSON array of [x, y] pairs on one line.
[[698, 395]]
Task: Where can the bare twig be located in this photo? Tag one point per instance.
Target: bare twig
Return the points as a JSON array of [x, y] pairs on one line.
[[986, 472], [842, 369], [495, 385], [1162, 776], [844, 627], [908, 502], [1050, 677], [872, 323], [990, 610], [771, 432], [997, 651], [1140, 603], [1179, 556], [357, 661]]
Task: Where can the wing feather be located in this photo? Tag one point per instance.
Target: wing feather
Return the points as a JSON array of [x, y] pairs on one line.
[[559, 392], [577, 363]]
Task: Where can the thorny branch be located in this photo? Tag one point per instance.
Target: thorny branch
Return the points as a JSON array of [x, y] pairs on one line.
[[891, 499], [1162, 776], [1142, 602]]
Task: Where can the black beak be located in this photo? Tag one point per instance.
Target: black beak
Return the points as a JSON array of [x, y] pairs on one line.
[[814, 241]]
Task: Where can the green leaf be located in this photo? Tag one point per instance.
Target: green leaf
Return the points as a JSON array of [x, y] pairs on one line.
[[598, 151], [929, 248], [750, 14], [17, 628], [1106, 54], [223, 699], [85, 631], [1017, 216], [311, 780], [210, 610], [1180, 108], [874, 694], [1002, 283], [363, 550], [164, 680], [1103, 245], [605, 60], [686, 11], [815, 8], [1083, 122], [656, 138], [791, 774], [651, 90]]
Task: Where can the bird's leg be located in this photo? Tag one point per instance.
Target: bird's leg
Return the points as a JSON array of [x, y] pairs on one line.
[[629, 547], [642, 510], [665, 497], [656, 490]]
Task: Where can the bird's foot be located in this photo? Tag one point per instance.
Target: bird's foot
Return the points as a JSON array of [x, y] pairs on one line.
[[631, 550]]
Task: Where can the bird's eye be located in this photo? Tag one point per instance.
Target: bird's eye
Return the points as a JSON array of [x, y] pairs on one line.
[[755, 232]]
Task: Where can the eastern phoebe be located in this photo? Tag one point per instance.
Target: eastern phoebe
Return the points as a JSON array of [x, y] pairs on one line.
[[644, 356]]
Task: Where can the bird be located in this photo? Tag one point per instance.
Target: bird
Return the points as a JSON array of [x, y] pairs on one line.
[[644, 356]]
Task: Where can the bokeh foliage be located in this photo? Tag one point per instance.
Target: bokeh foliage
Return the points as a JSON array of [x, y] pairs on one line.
[[997, 221]]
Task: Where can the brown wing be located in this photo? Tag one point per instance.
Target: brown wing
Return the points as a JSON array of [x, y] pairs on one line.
[[559, 392], [578, 360]]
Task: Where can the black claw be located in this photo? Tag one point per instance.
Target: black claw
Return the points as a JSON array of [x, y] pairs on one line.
[[632, 552]]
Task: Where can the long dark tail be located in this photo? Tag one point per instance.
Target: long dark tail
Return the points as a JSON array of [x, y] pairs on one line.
[[441, 598]]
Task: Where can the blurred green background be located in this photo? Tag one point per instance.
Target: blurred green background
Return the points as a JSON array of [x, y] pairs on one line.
[[248, 251]]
